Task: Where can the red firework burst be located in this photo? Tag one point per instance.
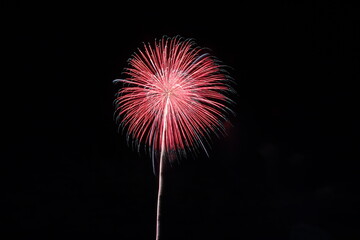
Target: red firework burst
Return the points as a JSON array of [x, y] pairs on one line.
[[173, 100], [174, 97]]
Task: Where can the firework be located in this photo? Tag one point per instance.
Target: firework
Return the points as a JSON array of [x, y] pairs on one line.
[[174, 98]]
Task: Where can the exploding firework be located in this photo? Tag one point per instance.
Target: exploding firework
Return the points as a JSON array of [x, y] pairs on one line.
[[175, 97]]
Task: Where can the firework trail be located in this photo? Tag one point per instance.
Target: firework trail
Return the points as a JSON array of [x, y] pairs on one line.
[[173, 100]]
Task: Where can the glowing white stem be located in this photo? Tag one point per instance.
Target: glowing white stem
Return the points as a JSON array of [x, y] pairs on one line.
[[161, 169]]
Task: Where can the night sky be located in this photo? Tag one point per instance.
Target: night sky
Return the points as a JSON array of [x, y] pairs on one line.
[[287, 170]]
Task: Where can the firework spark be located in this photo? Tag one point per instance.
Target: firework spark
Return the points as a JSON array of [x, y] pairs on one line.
[[173, 99]]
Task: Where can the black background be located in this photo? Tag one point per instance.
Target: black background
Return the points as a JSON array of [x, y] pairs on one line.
[[287, 169]]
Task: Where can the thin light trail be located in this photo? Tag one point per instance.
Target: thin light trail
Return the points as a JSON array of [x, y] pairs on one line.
[[161, 168]]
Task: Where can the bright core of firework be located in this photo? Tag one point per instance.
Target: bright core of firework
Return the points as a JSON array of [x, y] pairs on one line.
[[174, 97]]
